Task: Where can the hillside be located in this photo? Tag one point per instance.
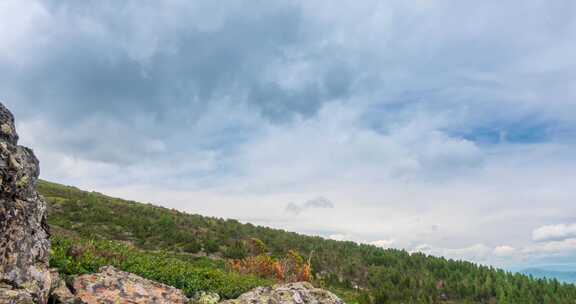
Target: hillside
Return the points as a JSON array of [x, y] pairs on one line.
[[189, 251]]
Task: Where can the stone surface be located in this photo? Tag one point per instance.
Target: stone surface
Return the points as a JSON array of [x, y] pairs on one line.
[[10, 295], [293, 293], [24, 243], [114, 286], [205, 298], [60, 293]]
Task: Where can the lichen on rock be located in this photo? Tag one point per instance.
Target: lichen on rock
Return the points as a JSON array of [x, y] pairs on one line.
[[24, 243], [60, 293], [293, 293], [204, 297], [111, 285], [11, 295]]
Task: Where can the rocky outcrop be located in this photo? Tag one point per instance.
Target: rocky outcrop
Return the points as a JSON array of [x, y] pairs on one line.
[[24, 243], [60, 293], [114, 286], [11, 295], [293, 293]]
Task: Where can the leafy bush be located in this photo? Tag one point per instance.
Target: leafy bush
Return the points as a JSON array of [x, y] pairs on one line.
[[80, 256], [291, 268]]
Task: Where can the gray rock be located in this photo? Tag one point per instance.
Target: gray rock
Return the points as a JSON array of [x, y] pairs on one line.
[[114, 286], [24, 243], [293, 293], [11, 295], [59, 292]]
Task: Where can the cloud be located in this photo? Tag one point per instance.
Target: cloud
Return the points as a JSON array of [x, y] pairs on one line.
[[504, 251], [566, 247], [19, 21], [126, 67], [476, 252], [340, 237], [407, 112], [317, 203], [554, 232], [383, 243]]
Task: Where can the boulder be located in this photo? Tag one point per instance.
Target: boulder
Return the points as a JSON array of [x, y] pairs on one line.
[[11, 295], [293, 293], [111, 285], [60, 293], [24, 244]]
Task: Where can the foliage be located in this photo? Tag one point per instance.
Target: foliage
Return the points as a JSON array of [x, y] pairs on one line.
[[261, 265], [78, 256], [290, 268], [362, 273]]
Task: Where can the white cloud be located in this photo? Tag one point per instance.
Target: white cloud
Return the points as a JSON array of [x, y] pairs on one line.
[[477, 252], [412, 138], [340, 237], [563, 247], [383, 243], [554, 232], [385, 185], [504, 251]]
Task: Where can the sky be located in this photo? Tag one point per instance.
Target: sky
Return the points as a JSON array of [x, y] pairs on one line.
[[446, 127]]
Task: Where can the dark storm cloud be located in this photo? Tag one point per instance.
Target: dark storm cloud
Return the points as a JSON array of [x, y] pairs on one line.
[[93, 63], [151, 69], [218, 105]]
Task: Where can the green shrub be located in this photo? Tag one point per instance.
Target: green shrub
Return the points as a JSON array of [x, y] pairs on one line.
[[80, 256]]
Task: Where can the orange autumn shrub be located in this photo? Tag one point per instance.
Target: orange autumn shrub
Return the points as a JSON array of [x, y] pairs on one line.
[[291, 268], [305, 273], [261, 265], [279, 272]]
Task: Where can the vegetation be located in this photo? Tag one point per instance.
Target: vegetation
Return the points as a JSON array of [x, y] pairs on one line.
[[164, 245], [291, 268], [77, 256]]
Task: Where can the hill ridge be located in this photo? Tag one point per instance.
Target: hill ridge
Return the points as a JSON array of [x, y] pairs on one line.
[[360, 273]]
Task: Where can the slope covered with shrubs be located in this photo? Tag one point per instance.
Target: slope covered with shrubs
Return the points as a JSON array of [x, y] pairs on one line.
[[79, 256], [165, 245]]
